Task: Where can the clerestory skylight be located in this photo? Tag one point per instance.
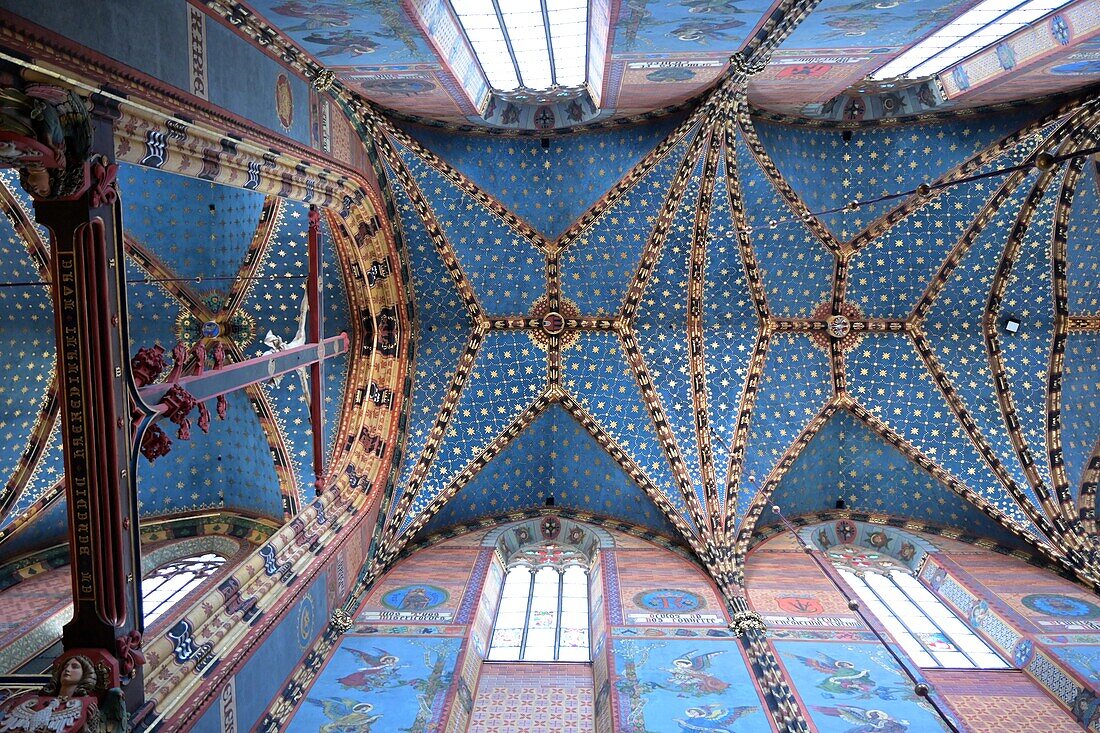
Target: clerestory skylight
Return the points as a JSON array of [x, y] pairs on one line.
[[535, 45], [980, 27]]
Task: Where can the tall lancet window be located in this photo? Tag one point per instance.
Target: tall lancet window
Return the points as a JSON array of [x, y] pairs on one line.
[[929, 632], [543, 612]]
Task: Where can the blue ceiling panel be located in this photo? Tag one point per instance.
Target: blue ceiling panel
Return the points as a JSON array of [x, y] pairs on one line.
[[444, 329], [596, 373], [550, 187], [506, 378], [1080, 404], [153, 311], [197, 228], [229, 467], [730, 324], [277, 300], [955, 330], [556, 457], [1026, 354], [596, 269], [794, 388], [847, 460], [1083, 245], [50, 528], [47, 472], [827, 171], [506, 271], [661, 328], [796, 268], [892, 25], [886, 375], [27, 339]]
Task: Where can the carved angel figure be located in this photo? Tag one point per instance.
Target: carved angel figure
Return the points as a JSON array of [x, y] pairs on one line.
[[68, 704]]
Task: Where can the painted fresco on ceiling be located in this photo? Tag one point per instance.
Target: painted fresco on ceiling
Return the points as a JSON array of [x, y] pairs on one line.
[[848, 687], [664, 52], [685, 26], [684, 685], [349, 33], [381, 684]]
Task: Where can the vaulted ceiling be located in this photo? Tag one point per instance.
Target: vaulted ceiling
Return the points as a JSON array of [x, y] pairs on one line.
[[667, 356]]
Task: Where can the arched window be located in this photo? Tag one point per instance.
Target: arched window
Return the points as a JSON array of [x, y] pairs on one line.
[[170, 582], [929, 632], [543, 612]]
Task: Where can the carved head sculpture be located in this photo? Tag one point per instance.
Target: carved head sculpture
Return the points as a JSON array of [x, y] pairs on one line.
[[75, 678]]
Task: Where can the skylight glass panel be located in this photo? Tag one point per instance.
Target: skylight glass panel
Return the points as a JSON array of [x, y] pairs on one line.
[[527, 44], [980, 27]]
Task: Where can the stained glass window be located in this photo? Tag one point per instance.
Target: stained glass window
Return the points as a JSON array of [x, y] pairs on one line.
[[929, 632], [172, 581], [543, 613]]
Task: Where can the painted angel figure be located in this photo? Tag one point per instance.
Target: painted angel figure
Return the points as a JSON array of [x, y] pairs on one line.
[[346, 715], [712, 718], [376, 671], [866, 721], [689, 674], [68, 704]]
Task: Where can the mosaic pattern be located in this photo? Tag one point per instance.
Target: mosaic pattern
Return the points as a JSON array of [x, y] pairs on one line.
[[596, 267], [505, 270], [796, 268], [1083, 245], [551, 186], [890, 381], [796, 374], [556, 457], [597, 375]]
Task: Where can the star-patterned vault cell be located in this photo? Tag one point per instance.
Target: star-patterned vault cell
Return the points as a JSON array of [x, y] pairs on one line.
[[596, 373], [827, 171], [48, 529], [847, 460], [49, 469], [597, 267], [549, 187], [228, 468], [886, 375], [796, 268], [794, 388], [1080, 404], [954, 328], [197, 228], [730, 326], [506, 378], [661, 327], [444, 329], [1026, 354], [1083, 244], [556, 457], [506, 271], [888, 276], [28, 343], [153, 311]]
